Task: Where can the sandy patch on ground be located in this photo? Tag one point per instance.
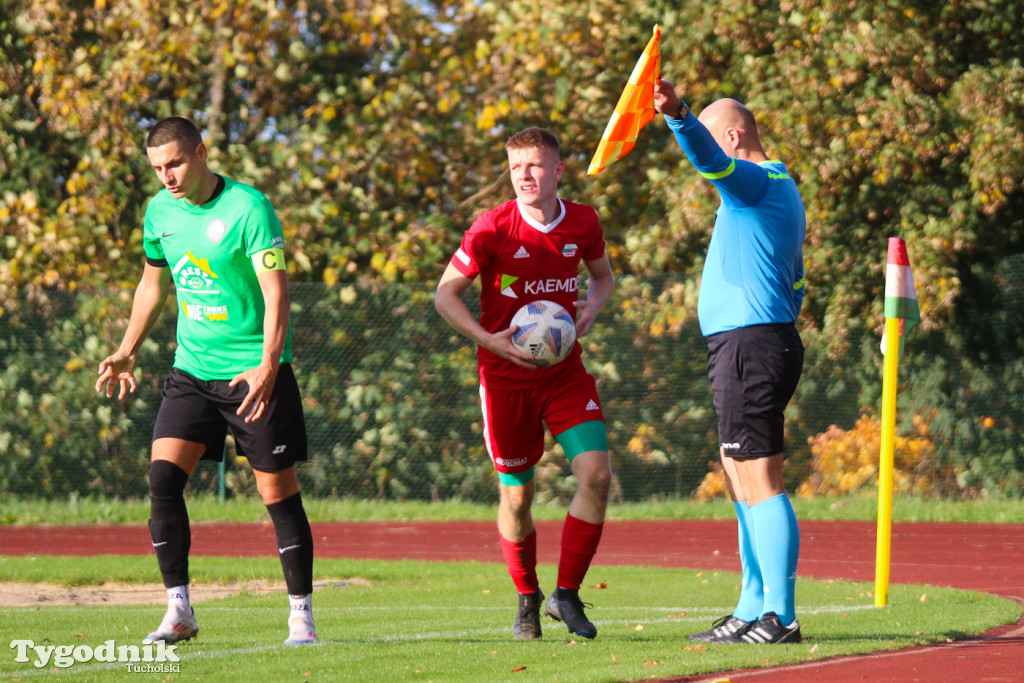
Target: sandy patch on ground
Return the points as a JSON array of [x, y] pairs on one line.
[[15, 594]]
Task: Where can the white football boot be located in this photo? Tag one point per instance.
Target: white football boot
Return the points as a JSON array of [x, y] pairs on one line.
[[179, 625]]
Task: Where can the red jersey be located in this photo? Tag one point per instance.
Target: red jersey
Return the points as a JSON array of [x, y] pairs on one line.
[[520, 260]]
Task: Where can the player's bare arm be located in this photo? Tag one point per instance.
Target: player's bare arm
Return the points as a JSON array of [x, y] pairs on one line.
[[599, 291], [119, 367], [448, 302], [666, 101], [260, 380]]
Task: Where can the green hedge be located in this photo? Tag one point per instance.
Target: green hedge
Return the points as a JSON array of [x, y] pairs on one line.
[[392, 407]]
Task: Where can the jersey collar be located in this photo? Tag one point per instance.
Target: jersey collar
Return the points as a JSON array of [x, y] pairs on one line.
[[537, 224]]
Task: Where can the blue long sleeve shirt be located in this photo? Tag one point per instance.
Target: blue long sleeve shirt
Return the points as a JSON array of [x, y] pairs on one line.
[[754, 271]]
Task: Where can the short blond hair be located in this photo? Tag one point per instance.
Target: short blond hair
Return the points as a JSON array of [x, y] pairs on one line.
[[534, 138]]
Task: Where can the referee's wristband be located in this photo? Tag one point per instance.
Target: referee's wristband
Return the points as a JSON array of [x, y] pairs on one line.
[[683, 112]]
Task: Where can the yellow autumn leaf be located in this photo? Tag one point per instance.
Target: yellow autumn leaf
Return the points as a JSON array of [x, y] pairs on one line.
[[486, 120]]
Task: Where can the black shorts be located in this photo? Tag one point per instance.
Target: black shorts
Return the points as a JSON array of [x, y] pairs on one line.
[[754, 372], [199, 410]]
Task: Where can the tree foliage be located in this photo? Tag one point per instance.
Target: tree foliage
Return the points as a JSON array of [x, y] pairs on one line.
[[377, 130]]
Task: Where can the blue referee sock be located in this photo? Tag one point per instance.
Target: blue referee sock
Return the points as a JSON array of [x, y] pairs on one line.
[[777, 541], [749, 607]]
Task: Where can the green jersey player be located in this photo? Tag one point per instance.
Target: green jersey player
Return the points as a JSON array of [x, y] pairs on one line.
[[220, 243]]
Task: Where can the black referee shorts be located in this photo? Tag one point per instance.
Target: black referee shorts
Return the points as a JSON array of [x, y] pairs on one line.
[[754, 372], [201, 410]]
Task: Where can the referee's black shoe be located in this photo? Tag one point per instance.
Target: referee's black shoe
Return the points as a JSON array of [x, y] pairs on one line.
[[766, 630], [527, 626], [565, 605], [725, 626]]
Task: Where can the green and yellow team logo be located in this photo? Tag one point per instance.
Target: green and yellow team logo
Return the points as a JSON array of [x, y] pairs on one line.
[[504, 284]]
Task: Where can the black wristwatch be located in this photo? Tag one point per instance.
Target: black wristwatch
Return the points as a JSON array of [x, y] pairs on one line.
[[683, 111]]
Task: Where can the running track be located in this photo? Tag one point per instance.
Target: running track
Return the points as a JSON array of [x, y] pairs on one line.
[[985, 557]]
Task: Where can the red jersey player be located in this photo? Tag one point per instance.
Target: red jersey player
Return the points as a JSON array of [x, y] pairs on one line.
[[525, 250]]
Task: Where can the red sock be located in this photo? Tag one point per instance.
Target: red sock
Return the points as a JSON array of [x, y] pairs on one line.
[[521, 560], [579, 543]]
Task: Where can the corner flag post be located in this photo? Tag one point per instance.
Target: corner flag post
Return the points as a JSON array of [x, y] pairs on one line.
[[901, 314], [886, 460]]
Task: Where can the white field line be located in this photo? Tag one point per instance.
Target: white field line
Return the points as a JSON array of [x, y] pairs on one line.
[[191, 655], [694, 612]]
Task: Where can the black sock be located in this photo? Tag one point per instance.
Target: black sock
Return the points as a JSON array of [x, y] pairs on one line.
[[168, 521], [294, 543]]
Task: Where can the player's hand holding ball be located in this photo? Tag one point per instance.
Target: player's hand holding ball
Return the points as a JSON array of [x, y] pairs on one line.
[[500, 344]]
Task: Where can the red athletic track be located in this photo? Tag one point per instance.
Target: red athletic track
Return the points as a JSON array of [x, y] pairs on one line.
[[984, 557]]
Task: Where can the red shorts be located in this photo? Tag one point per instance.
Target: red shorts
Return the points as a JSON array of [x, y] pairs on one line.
[[514, 420]]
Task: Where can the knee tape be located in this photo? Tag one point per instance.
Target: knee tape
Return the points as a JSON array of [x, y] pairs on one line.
[[166, 480]]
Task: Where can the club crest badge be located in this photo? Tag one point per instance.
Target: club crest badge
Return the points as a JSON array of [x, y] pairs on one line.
[[215, 230]]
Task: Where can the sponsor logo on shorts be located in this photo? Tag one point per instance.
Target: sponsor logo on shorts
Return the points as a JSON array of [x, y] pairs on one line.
[[158, 657], [510, 463], [278, 450], [731, 446]]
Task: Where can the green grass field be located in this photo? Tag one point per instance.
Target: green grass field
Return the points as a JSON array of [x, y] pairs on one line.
[[426, 621], [207, 508], [452, 621]]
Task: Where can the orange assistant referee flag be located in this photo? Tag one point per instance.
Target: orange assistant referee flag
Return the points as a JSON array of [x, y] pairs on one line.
[[634, 110]]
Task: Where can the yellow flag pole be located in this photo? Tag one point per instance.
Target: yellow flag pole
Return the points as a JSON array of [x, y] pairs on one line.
[[885, 460]]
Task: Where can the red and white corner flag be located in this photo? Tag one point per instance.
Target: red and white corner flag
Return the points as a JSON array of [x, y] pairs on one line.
[[900, 295]]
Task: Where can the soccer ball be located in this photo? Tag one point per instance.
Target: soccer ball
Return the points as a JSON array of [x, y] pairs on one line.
[[546, 331]]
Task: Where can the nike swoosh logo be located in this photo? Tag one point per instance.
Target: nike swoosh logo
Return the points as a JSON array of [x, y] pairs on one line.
[[157, 545], [167, 234], [281, 551]]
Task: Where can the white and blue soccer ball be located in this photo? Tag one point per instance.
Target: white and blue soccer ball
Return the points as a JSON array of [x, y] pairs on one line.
[[546, 331]]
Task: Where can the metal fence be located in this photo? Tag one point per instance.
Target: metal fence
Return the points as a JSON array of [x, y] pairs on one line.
[[390, 397]]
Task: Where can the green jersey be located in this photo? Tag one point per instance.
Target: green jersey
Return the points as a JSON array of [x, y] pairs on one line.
[[215, 252]]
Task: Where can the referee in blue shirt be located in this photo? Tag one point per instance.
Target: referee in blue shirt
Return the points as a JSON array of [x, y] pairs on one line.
[[750, 296]]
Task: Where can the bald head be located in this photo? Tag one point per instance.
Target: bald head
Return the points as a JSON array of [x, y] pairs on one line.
[[734, 129]]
